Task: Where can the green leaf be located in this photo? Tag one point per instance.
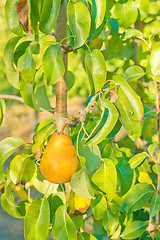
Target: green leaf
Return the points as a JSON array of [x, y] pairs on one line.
[[133, 98], [132, 126], [40, 92], [9, 52], [105, 125], [26, 93], [125, 12], [12, 77], [155, 63], [134, 230], [12, 18], [53, 65], [41, 184], [79, 22], [125, 177], [96, 69], [110, 222], [98, 206], [81, 185], [98, 12], [105, 178], [36, 225], [54, 203], [137, 197], [9, 193], [143, 7], [137, 159], [8, 146], [70, 80], [27, 66], [156, 168], [29, 170], [130, 108], [63, 227], [2, 110], [91, 154], [86, 236], [152, 148], [42, 134], [49, 14], [10, 209], [20, 50], [155, 204], [133, 73], [16, 167], [34, 14], [129, 33]]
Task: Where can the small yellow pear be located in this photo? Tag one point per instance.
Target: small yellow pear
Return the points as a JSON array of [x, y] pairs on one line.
[[59, 161]]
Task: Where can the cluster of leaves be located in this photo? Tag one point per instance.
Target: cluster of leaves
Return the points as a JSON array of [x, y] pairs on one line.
[[115, 188]]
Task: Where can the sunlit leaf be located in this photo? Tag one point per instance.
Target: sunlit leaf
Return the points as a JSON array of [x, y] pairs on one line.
[[53, 65], [10, 209], [134, 230], [37, 218], [133, 73], [81, 203], [12, 18], [9, 52], [155, 62], [106, 123], [105, 178], [91, 154], [129, 33], [125, 12], [63, 222], [27, 66], [137, 159], [8, 146], [49, 14], [9, 193], [54, 203], [81, 185], [34, 14], [110, 222], [143, 7], [2, 111], [98, 12], [155, 204], [130, 108], [144, 177], [79, 22], [125, 177], [86, 236], [42, 133], [40, 92], [96, 69], [137, 197], [98, 206], [22, 168]]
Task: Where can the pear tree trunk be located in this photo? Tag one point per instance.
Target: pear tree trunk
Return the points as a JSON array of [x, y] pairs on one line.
[[61, 86]]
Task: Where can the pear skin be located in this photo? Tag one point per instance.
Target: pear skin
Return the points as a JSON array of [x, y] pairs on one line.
[[59, 161]]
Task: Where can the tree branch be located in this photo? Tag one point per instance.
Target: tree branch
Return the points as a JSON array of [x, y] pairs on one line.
[[81, 115], [11, 97]]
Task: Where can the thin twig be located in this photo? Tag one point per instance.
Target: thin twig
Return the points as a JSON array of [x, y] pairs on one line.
[[11, 97], [69, 49]]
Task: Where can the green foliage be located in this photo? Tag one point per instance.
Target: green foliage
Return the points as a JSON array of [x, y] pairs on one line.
[[115, 191]]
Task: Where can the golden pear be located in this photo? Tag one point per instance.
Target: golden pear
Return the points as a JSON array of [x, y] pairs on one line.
[[59, 161]]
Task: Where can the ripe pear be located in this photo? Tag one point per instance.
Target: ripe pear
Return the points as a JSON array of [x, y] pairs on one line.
[[59, 161]]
